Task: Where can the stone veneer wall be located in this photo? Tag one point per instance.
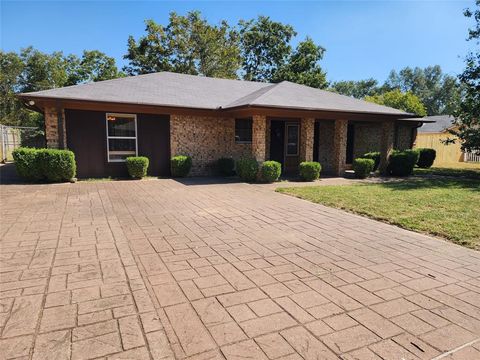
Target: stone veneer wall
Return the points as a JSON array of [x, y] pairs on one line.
[[51, 128], [205, 139]]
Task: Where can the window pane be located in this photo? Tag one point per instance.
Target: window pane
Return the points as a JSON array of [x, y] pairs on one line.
[[243, 130], [121, 125], [121, 145], [292, 140]]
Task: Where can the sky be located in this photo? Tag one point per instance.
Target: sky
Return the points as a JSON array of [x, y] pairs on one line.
[[363, 39]]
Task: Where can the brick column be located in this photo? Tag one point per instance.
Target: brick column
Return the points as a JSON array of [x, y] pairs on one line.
[[339, 146], [259, 136], [307, 130], [387, 141], [55, 125]]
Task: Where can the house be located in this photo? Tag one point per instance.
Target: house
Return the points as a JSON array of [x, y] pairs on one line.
[[432, 135], [160, 115]]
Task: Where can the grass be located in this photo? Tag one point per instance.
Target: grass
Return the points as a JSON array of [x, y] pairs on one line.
[[460, 169], [444, 207]]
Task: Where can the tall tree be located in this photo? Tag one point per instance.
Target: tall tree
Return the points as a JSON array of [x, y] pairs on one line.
[[439, 92], [468, 113], [357, 89], [188, 45], [403, 101], [93, 66], [32, 70], [265, 47], [302, 66]]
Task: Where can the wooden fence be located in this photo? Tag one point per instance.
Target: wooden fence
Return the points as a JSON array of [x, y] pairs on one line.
[[446, 154]]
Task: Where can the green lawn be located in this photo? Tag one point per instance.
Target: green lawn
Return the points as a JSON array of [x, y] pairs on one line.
[[461, 169], [445, 207]]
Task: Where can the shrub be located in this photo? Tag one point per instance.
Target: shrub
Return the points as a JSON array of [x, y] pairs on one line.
[[310, 170], [363, 167], [270, 171], [375, 156], [180, 165], [58, 165], [247, 169], [27, 163], [401, 163], [426, 157], [137, 166], [226, 166]]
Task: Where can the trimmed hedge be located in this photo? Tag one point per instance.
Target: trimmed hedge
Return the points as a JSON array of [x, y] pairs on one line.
[[180, 165], [270, 171], [426, 157], [226, 166], [45, 164], [310, 170], [401, 163], [363, 167], [137, 166], [27, 163], [375, 156], [247, 169]]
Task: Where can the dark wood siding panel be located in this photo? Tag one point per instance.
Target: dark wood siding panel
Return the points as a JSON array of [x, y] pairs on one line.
[[154, 142], [86, 137]]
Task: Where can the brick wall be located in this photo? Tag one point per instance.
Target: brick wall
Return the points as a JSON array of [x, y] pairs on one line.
[[306, 139], [368, 138], [51, 128], [326, 131], [205, 139], [404, 137]]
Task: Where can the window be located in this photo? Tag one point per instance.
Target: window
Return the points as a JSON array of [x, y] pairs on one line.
[[243, 130], [121, 136], [292, 139]]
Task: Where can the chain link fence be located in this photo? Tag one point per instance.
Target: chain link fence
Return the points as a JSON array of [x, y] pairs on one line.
[[12, 137]]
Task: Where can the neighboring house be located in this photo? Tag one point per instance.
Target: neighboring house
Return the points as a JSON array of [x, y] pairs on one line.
[[432, 135], [164, 114]]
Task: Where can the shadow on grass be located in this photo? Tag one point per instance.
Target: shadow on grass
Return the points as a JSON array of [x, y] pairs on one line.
[[432, 183]]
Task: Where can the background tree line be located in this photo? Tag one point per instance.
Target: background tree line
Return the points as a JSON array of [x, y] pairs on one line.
[[258, 50]]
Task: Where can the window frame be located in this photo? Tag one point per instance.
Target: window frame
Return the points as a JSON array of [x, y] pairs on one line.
[[134, 116], [251, 131], [298, 139]]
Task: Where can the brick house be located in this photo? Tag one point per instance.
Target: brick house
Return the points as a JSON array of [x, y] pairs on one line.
[[164, 114]]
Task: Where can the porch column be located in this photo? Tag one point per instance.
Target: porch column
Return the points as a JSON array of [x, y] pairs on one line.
[[339, 146], [387, 143], [55, 133], [259, 137], [307, 129]]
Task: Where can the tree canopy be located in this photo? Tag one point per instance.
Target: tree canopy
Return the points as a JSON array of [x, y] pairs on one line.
[[32, 70], [357, 89], [467, 114], [399, 100]]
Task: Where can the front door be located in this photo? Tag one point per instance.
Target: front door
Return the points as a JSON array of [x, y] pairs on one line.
[[284, 144]]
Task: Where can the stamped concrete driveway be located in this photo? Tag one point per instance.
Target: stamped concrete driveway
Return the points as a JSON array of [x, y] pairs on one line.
[[161, 270]]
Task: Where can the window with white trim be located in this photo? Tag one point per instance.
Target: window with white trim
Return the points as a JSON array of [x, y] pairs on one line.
[[121, 136]]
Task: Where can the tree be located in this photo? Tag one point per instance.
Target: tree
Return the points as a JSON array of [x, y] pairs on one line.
[[302, 66], [33, 70], [265, 47], [93, 66], [439, 92], [403, 101], [188, 45], [467, 115], [357, 89]]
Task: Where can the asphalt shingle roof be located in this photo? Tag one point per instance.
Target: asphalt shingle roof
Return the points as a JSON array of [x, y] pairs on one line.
[[190, 91], [440, 123]]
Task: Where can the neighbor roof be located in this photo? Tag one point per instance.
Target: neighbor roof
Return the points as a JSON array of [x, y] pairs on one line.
[[438, 123], [199, 92]]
